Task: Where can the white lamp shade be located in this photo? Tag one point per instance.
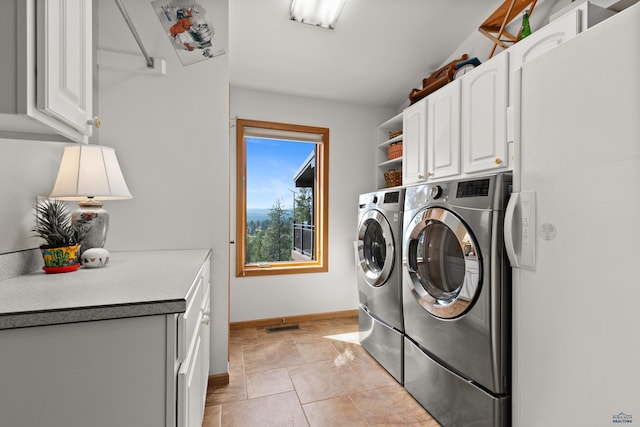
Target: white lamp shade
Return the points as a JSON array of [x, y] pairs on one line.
[[90, 171]]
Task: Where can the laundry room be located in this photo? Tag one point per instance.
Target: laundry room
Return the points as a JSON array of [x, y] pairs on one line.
[[430, 268]]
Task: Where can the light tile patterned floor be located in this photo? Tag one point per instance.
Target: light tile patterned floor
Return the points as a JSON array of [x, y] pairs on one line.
[[317, 375]]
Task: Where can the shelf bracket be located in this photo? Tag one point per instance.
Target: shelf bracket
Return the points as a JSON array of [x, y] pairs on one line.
[[127, 62], [127, 19]]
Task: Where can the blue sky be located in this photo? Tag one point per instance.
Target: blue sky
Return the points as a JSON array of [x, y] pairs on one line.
[[271, 165]]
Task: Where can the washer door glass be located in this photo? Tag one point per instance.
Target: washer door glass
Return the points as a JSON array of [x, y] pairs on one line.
[[375, 248], [443, 263]]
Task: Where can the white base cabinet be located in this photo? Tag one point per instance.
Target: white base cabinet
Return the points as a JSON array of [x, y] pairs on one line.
[[100, 374], [135, 371], [46, 73], [193, 352]]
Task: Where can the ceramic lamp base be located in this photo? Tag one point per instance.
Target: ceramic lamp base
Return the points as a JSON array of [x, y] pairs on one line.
[[96, 218]]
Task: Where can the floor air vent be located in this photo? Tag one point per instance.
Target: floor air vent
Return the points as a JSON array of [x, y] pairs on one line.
[[282, 328]]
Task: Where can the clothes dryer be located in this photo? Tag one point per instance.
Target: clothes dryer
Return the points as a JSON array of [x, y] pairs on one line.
[[379, 271], [456, 300]]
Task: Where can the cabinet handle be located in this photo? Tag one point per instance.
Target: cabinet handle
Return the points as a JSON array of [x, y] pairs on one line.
[[498, 160], [420, 176], [206, 318], [94, 122], [429, 173]]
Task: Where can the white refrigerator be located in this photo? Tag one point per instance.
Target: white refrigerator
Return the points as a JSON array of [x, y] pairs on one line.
[[572, 231]]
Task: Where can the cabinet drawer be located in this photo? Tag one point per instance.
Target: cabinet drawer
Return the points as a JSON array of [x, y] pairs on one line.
[[189, 320]]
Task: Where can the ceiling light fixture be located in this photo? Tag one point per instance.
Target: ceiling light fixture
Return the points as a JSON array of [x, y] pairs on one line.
[[321, 13]]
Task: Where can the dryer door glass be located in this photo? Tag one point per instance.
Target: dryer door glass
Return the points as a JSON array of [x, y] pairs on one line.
[[375, 248], [441, 266], [442, 263]]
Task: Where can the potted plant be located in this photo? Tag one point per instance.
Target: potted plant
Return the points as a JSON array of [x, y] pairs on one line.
[[62, 237]]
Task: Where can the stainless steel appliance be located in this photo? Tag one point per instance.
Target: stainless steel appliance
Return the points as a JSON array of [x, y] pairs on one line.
[[456, 297], [379, 255]]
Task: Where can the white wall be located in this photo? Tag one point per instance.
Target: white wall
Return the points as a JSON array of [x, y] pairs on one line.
[[171, 137], [352, 130], [27, 170]]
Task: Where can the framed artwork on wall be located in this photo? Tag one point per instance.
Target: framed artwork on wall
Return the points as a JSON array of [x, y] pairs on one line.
[[188, 29]]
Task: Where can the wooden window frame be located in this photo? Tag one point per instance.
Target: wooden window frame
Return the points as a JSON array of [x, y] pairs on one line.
[[321, 208]]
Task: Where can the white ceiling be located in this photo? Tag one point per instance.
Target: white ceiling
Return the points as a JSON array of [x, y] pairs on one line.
[[378, 52]]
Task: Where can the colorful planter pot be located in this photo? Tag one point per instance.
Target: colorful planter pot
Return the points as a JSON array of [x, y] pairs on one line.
[[61, 259]]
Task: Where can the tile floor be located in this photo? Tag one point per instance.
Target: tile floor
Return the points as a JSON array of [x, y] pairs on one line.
[[317, 375]]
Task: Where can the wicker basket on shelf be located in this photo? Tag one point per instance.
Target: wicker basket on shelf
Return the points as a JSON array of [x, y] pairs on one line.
[[394, 133], [394, 150], [393, 178]]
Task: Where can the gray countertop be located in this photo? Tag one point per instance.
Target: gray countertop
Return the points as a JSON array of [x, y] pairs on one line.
[[132, 284]]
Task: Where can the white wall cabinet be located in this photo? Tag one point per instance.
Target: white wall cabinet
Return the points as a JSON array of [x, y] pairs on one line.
[[543, 40], [414, 154], [443, 132], [50, 80], [465, 127], [565, 25], [484, 116]]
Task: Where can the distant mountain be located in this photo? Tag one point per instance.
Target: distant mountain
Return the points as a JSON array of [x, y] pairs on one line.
[[257, 214]]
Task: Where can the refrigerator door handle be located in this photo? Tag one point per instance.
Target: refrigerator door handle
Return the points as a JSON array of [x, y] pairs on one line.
[[509, 232]]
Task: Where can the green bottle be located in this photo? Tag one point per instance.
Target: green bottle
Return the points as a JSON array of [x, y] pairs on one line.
[[525, 30]]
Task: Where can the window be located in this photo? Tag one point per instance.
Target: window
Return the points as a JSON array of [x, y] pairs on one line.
[[281, 198]]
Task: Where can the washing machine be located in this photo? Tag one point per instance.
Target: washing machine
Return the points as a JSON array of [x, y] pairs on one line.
[[379, 271], [457, 301]]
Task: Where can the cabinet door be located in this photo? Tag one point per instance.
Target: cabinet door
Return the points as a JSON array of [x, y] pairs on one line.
[[443, 131], [64, 56], [101, 374], [190, 404], [205, 330], [414, 151], [542, 41], [484, 110]]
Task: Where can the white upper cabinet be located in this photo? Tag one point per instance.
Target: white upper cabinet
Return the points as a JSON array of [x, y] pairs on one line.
[[466, 127], [565, 24], [540, 42], [414, 153], [51, 42], [483, 116], [64, 55], [443, 132], [544, 39]]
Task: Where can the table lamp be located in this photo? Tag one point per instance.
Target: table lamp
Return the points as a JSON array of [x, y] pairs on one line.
[[90, 174]]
